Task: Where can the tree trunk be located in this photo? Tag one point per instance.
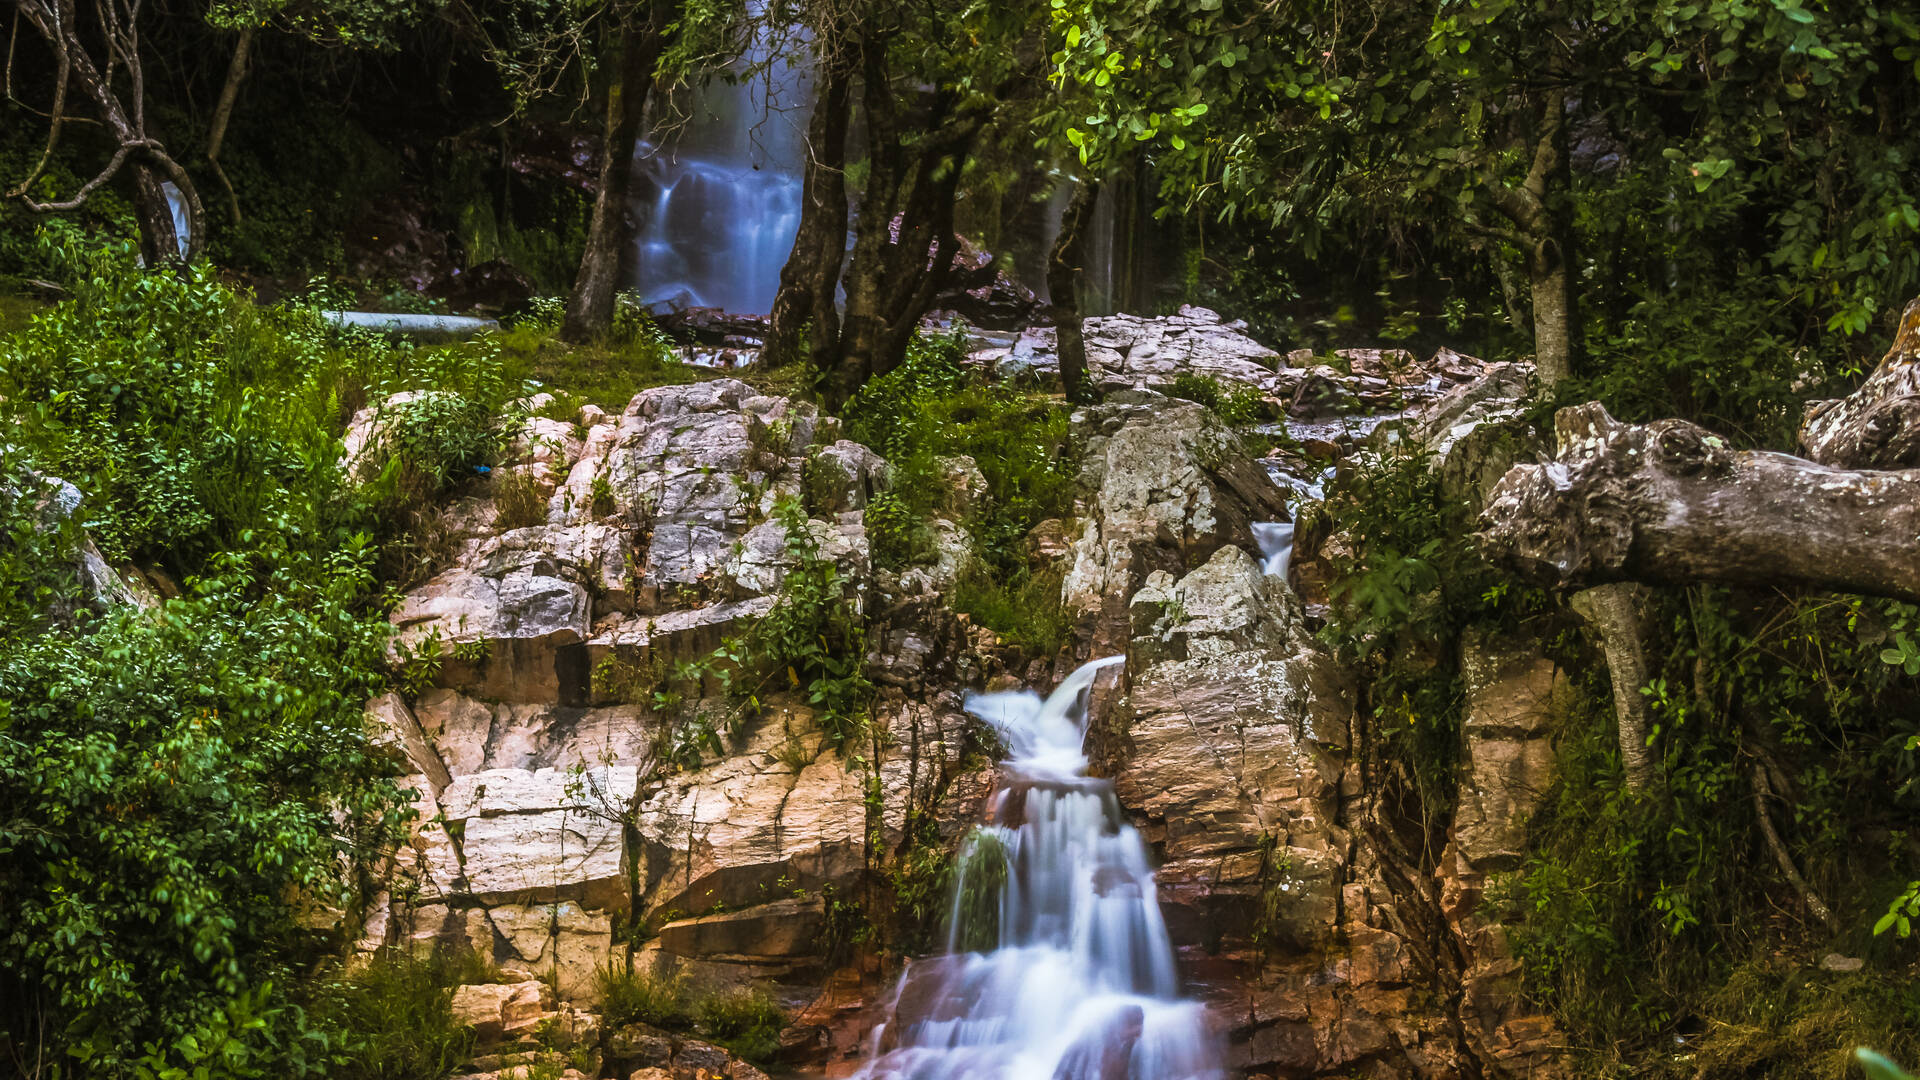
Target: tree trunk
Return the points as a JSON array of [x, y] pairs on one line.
[[159, 240], [590, 307], [904, 241], [1554, 322], [1878, 425], [1670, 503], [811, 274], [1613, 610], [1063, 289], [223, 114], [159, 244], [1541, 212]]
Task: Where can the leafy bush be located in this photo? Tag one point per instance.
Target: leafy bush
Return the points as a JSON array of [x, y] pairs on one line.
[[930, 409], [396, 1017], [185, 788], [1232, 403], [191, 417], [178, 783]]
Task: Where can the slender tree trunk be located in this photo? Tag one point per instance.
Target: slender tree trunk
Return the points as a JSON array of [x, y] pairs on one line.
[[1063, 289], [1541, 212], [1613, 610], [1554, 321], [590, 307], [811, 275], [223, 114]]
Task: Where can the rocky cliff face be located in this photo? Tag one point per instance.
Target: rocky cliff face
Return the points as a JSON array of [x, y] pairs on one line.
[[555, 834]]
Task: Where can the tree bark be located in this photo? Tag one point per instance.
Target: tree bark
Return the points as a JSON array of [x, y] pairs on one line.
[[904, 240], [223, 114], [125, 123], [1540, 211], [811, 275], [1613, 610], [590, 307], [1762, 791], [1063, 289], [1670, 503], [1878, 425]]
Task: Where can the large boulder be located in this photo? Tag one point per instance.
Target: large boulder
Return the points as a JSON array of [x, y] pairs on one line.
[[1170, 486], [635, 515]]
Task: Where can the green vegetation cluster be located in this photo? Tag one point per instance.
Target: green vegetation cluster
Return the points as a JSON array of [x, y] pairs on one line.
[[924, 414], [745, 1020], [192, 799], [1643, 917]]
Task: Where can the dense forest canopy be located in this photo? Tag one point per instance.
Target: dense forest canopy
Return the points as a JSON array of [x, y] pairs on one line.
[[1662, 211]]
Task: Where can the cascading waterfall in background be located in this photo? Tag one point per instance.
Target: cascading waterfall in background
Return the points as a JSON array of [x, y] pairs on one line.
[[1082, 984], [718, 203]]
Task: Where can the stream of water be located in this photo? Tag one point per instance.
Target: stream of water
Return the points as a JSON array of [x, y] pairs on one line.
[[718, 203], [1081, 984]]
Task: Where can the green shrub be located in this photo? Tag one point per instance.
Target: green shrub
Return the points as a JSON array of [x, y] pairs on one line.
[[191, 417], [184, 785], [178, 784], [396, 1020], [1232, 403], [929, 409]]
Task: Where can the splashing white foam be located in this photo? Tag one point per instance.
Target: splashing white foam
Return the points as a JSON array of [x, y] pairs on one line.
[[1082, 985]]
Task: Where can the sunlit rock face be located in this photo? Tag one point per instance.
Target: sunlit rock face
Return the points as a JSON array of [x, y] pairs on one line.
[[549, 820], [1193, 850]]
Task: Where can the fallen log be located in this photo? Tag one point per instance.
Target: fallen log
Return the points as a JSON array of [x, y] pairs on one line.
[[1878, 425], [1671, 503]]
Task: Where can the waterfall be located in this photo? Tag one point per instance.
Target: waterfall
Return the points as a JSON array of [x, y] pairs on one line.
[[1276, 546], [1081, 984], [182, 226], [717, 202]]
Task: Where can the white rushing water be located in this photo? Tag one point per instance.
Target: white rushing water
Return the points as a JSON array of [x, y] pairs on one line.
[[718, 203], [1276, 546], [1082, 984]]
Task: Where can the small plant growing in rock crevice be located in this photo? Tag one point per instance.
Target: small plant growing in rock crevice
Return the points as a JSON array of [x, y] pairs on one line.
[[1233, 403], [518, 499]]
